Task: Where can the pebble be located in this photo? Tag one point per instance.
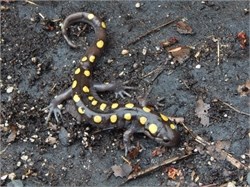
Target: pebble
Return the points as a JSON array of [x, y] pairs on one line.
[[12, 176], [24, 157], [124, 52], [10, 89], [198, 66], [137, 5]]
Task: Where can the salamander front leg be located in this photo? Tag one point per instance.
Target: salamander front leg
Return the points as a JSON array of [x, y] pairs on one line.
[[53, 106], [118, 87], [155, 103]]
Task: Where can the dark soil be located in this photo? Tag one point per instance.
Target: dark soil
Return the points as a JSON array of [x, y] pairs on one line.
[[37, 64]]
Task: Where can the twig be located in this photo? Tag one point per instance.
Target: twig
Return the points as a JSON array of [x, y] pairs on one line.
[[217, 154], [143, 172], [31, 2], [150, 31], [218, 52], [235, 109]]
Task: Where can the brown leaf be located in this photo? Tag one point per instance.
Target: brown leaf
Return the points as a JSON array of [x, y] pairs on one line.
[[243, 39], [122, 171], [158, 151], [244, 89], [183, 28], [202, 112], [169, 42], [180, 54], [172, 173], [133, 153]]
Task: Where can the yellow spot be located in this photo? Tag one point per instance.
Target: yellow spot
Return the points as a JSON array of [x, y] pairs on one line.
[[127, 116], [113, 118], [74, 84], [129, 105], [77, 71], [146, 109], [84, 59], [80, 110], [92, 58], [172, 126], [114, 105], [90, 98], [76, 98], [143, 120], [152, 128], [85, 89], [104, 25], [100, 44], [91, 16], [94, 102], [86, 73], [97, 119], [103, 106], [163, 117]]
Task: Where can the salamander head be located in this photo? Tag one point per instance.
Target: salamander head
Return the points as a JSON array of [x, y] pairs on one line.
[[164, 132]]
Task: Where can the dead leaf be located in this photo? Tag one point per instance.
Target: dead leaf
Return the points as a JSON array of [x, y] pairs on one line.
[[218, 150], [169, 42], [51, 140], [158, 151], [12, 135], [180, 54], [183, 28], [134, 152], [244, 89], [243, 39], [121, 171], [202, 112], [172, 173]]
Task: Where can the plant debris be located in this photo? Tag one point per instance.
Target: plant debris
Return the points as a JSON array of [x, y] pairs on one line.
[[243, 39], [122, 171], [169, 42], [180, 54], [244, 89], [202, 112], [183, 28], [158, 151]]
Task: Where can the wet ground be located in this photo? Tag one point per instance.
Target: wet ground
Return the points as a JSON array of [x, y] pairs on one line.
[[37, 64]]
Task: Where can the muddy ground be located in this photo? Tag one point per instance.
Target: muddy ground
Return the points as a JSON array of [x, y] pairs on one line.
[[37, 64]]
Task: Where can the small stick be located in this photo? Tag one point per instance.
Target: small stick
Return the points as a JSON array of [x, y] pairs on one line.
[[165, 162], [150, 31], [218, 52], [235, 109], [206, 144]]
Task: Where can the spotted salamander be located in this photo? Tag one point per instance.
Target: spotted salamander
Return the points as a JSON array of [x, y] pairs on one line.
[[91, 108]]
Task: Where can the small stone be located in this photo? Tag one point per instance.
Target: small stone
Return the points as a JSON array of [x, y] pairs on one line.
[[124, 52], [144, 51], [137, 5], [4, 177], [19, 164], [225, 115], [10, 89], [9, 77], [243, 156], [198, 66], [24, 157], [12, 176], [34, 59]]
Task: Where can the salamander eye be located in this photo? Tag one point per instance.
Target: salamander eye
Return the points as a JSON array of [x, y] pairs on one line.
[[165, 139]]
